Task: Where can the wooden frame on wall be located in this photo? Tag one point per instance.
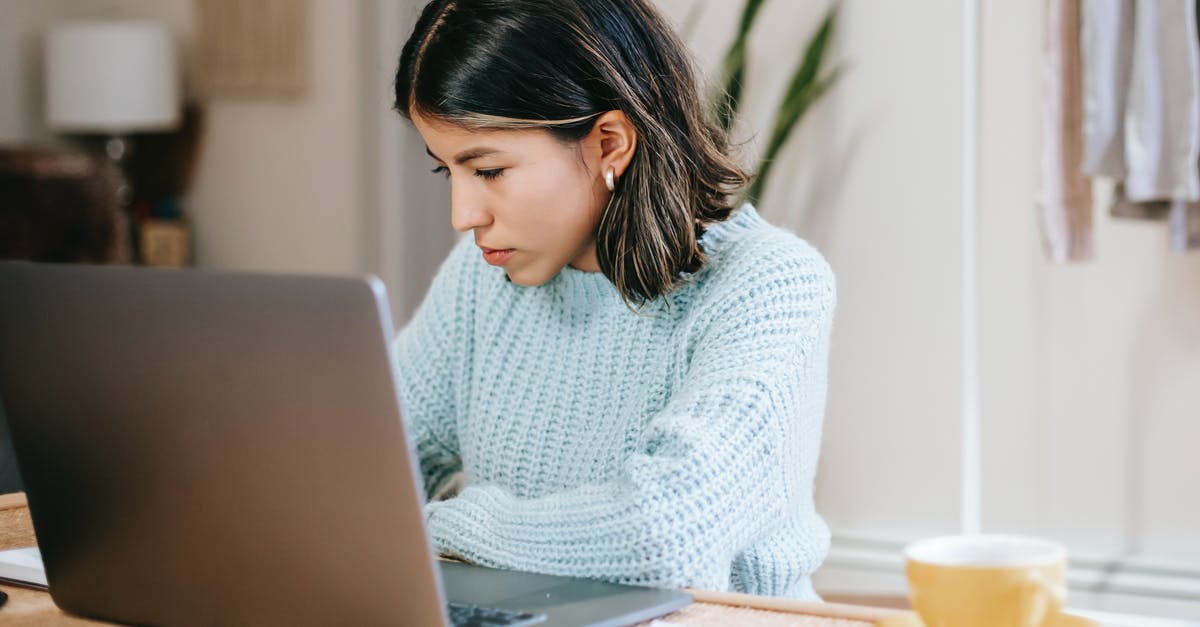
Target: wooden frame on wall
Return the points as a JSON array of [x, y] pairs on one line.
[[252, 48]]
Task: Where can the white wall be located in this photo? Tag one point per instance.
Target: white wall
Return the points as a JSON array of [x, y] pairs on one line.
[[279, 185], [18, 51], [408, 232], [1094, 377]]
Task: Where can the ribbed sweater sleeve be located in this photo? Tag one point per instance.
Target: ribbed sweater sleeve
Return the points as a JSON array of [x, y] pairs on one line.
[[715, 470], [431, 354]]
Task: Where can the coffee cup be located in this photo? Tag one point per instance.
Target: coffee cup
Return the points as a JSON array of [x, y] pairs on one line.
[[987, 581]]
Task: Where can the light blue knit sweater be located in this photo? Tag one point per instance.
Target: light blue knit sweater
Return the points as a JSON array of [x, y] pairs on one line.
[[676, 447]]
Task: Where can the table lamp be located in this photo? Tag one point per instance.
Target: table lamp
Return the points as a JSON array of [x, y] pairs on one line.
[[111, 77]]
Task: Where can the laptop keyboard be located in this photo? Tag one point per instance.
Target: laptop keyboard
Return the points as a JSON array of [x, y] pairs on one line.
[[466, 615]]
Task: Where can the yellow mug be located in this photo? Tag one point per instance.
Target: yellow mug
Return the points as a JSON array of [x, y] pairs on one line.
[[987, 581]]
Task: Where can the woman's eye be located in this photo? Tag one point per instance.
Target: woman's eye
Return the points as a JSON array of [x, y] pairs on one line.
[[489, 175]]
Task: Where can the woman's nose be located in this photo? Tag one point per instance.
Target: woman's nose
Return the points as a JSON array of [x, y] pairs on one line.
[[467, 211]]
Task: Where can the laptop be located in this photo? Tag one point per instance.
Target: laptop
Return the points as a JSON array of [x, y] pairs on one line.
[[206, 448]]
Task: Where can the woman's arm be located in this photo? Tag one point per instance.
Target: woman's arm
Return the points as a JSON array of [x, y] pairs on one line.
[[718, 468], [431, 355]]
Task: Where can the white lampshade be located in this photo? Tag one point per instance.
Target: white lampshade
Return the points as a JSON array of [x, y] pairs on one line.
[[111, 76]]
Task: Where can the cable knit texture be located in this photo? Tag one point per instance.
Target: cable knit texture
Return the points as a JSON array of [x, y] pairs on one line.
[[672, 447]]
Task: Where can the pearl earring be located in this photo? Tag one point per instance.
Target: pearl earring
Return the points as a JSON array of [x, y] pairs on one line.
[[609, 180]]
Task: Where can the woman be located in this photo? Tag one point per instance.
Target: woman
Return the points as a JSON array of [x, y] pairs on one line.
[[630, 373]]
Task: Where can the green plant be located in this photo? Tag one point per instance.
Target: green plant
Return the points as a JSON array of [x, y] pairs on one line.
[[807, 85]]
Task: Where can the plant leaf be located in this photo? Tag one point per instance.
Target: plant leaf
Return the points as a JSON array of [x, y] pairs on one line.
[[814, 53], [734, 67], [803, 90], [783, 129]]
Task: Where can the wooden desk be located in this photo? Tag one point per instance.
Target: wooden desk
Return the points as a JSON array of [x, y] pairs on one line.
[[28, 607]]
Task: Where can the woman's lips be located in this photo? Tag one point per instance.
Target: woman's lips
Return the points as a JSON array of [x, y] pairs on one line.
[[496, 257]]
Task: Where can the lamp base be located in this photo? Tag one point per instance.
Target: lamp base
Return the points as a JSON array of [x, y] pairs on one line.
[[118, 148]]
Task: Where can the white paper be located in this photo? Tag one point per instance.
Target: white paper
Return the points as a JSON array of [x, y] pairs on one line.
[[23, 566]]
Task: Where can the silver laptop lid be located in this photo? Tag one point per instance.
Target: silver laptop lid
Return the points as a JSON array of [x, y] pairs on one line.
[[214, 449]]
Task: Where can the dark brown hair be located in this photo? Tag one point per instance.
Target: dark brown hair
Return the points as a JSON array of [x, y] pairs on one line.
[[557, 65]]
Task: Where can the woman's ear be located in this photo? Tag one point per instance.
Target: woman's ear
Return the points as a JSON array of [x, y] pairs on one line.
[[618, 141]]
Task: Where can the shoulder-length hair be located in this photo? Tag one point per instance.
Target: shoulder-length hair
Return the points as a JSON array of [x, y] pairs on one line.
[[558, 65]]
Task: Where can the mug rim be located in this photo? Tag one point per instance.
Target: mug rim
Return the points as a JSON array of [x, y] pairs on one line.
[[1048, 551]]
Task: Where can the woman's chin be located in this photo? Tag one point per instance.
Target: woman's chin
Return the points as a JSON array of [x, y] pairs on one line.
[[527, 279]]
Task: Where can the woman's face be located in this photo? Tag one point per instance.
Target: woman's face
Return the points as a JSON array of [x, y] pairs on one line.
[[532, 201]]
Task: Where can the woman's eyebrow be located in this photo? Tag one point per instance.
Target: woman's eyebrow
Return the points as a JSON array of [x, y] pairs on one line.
[[467, 155]]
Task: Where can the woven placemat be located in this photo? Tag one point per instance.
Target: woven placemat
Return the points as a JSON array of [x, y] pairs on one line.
[[16, 529]]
